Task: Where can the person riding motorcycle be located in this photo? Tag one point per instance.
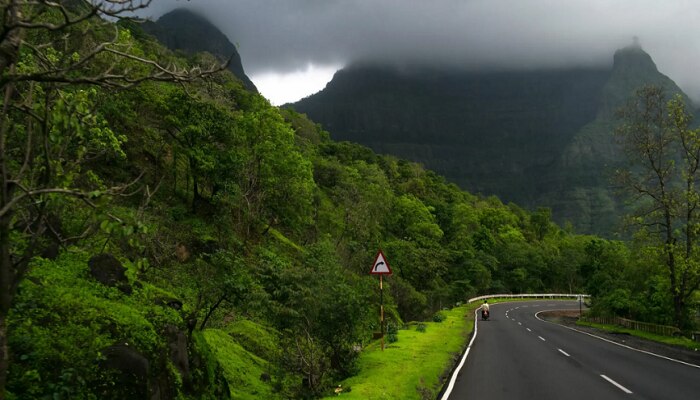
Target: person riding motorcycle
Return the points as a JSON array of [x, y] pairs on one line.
[[485, 312]]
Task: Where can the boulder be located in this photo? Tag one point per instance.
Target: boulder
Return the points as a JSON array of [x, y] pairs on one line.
[[177, 345], [109, 271], [128, 369]]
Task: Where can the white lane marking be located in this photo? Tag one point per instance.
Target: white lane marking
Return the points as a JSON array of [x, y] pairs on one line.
[[542, 339], [624, 389], [520, 323], [447, 392], [528, 329], [537, 315], [564, 353]]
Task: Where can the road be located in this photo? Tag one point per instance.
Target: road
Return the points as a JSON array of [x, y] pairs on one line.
[[517, 356]]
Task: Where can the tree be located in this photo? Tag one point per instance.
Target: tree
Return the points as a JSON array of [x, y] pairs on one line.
[[664, 156], [51, 53]]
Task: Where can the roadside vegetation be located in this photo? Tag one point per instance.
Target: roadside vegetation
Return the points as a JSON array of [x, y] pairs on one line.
[[417, 364], [669, 340]]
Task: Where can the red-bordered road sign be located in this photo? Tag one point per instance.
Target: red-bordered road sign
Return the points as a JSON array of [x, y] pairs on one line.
[[381, 265]]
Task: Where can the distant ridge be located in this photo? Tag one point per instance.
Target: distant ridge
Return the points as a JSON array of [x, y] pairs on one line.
[[536, 138], [184, 30]]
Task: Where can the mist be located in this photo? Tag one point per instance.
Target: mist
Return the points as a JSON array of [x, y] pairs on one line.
[[283, 36]]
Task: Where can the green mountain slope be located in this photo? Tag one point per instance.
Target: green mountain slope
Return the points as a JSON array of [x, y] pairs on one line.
[[532, 137], [582, 188]]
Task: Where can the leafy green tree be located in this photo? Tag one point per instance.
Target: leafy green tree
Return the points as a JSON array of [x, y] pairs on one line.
[[272, 180], [664, 156], [541, 222], [200, 130], [49, 52]]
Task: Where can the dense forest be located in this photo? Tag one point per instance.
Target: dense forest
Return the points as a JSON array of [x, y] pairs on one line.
[[166, 233], [536, 137]]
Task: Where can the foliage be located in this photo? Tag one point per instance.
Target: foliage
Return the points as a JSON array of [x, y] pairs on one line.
[[438, 317], [664, 168], [416, 359], [252, 232], [242, 369], [63, 322]]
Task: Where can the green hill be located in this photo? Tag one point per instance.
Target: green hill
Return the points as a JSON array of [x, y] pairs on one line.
[[534, 137]]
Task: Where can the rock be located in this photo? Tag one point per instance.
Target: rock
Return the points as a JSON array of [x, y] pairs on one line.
[[130, 370], [182, 253], [177, 345], [106, 269], [169, 302]]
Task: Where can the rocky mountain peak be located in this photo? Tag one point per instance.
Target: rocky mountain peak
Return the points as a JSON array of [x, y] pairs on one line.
[[633, 59], [184, 30]]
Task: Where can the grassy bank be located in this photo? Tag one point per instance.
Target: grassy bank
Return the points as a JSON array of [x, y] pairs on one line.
[[414, 367], [670, 340]]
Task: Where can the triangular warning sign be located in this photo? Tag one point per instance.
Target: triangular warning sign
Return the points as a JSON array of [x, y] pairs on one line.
[[380, 266]]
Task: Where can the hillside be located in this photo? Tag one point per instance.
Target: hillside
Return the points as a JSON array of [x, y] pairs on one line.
[[537, 138]]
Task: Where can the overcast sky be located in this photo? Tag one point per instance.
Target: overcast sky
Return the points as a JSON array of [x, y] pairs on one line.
[[290, 48]]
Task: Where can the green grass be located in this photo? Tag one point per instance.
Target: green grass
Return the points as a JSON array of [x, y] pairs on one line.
[[242, 369], [412, 367], [257, 339], [675, 341]]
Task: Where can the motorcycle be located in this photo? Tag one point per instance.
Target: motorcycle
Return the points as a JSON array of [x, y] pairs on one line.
[[484, 315]]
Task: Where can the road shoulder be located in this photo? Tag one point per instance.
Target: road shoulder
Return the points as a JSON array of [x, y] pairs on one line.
[[569, 318]]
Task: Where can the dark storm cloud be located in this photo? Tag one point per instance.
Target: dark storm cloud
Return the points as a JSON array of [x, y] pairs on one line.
[[285, 35]]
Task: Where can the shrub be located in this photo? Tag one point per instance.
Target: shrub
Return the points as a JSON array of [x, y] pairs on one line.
[[438, 317], [392, 328]]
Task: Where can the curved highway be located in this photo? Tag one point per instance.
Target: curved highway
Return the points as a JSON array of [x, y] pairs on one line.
[[517, 356]]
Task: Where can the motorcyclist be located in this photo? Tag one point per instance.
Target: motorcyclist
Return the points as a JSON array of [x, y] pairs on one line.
[[485, 310]]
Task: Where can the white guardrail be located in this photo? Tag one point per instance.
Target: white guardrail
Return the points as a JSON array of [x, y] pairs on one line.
[[530, 296]]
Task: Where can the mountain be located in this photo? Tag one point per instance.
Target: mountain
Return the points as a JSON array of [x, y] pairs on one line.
[[187, 31], [533, 137]]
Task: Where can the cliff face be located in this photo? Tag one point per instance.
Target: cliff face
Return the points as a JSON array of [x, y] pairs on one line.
[[583, 191], [537, 138], [184, 30]]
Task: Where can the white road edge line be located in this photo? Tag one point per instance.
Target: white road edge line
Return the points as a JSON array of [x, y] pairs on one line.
[[447, 392], [624, 389], [564, 353], [615, 343]]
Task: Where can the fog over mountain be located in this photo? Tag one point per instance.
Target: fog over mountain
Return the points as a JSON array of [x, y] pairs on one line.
[[284, 36]]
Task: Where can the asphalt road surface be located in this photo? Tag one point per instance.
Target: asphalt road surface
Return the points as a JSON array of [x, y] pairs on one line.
[[517, 356]]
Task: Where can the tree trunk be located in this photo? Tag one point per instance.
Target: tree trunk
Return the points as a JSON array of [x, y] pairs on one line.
[[678, 310], [211, 311], [6, 293], [4, 355]]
